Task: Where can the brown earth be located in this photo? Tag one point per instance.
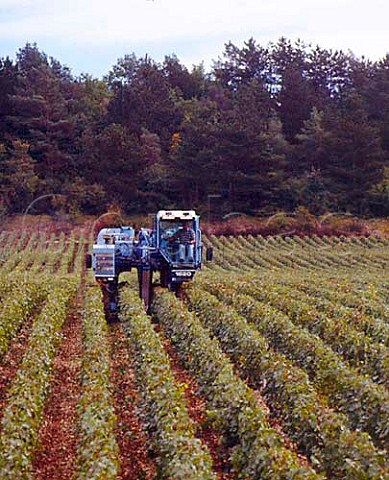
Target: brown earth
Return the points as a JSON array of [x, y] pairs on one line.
[[133, 441], [11, 361], [58, 435], [196, 405]]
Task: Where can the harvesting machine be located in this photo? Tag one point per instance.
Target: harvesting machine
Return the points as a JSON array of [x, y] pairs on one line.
[[157, 249]]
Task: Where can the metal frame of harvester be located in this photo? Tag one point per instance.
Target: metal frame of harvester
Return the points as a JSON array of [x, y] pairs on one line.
[[117, 250]]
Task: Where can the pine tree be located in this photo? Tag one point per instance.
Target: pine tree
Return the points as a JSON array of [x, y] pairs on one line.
[[40, 117], [18, 180]]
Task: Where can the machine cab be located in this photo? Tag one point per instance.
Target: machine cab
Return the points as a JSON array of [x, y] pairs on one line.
[[178, 237]]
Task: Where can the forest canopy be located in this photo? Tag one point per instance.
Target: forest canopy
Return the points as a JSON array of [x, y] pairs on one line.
[[267, 128]]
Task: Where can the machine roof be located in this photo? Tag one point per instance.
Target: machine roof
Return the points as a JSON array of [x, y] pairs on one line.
[[176, 214]]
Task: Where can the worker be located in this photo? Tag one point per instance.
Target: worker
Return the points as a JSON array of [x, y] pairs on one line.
[[185, 237]]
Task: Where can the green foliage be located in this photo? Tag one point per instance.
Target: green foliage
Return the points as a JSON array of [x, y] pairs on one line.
[[365, 403], [18, 179], [98, 450], [233, 407], [287, 346], [26, 297], [28, 393], [336, 330], [269, 127], [181, 455], [379, 196], [320, 432]]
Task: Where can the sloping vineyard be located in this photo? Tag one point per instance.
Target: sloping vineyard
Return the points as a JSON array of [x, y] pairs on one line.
[[274, 364]]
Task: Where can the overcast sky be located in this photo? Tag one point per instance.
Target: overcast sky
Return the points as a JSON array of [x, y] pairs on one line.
[[90, 35]]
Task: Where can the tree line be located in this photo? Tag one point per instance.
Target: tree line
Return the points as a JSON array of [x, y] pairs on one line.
[[266, 129]]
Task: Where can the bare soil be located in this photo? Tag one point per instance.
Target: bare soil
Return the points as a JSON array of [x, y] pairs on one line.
[[11, 361], [196, 405], [135, 463], [58, 435]]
